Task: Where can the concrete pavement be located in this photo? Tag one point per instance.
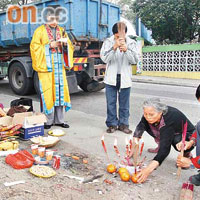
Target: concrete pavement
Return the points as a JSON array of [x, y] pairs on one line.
[[87, 125], [166, 81]]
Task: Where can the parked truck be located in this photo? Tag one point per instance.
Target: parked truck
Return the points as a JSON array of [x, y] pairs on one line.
[[89, 23]]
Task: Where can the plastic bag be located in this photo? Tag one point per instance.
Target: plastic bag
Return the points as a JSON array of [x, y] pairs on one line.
[[23, 102], [22, 159]]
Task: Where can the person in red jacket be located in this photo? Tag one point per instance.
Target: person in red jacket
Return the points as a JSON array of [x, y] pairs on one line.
[[193, 162]]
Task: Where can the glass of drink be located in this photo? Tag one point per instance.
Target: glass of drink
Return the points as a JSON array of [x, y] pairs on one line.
[[41, 151], [34, 148], [49, 154]]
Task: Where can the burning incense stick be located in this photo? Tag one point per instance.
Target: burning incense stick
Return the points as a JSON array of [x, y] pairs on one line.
[[182, 147], [116, 148], [104, 147]]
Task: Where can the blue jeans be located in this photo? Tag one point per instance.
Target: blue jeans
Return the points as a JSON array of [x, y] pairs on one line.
[[124, 104]]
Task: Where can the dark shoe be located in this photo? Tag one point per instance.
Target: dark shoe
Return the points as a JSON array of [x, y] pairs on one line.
[[47, 126], [62, 125], [195, 179], [111, 129], [151, 150], [125, 129]]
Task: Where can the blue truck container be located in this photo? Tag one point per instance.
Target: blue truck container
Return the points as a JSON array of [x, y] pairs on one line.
[[89, 23]]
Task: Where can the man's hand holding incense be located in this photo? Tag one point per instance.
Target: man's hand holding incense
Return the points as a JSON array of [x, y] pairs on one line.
[[183, 161], [188, 145], [122, 41], [117, 44], [123, 48]]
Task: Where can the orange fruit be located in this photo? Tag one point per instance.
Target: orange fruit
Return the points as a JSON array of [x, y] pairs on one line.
[[122, 170], [75, 157], [111, 168], [85, 161], [134, 178], [125, 176]]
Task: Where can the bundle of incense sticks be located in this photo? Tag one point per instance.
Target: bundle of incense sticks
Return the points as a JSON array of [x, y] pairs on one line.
[[135, 154], [182, 147], [121, 29]]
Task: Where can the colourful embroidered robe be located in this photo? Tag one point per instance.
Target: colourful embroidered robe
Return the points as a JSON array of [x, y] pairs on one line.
[[50, 64]]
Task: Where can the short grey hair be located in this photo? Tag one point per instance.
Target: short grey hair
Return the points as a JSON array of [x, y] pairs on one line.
[[156, 103]]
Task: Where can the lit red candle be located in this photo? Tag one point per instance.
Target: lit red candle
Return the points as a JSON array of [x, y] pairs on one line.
[[103, 144], [104, 147]]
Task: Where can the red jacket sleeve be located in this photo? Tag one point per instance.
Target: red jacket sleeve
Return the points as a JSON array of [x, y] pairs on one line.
[[194, 137], [196, 162]]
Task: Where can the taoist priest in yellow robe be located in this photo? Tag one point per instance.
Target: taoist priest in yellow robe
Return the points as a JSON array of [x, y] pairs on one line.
[[51, 59]]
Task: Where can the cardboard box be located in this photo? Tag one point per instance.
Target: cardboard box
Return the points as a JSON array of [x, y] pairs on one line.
[[6, 121], [33, 123], [28, 133]]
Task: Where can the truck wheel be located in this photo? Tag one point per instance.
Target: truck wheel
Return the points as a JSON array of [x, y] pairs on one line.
[[93, 86], [83, 86], [36, 83], [84, 79], [89, 85], [19, 81]]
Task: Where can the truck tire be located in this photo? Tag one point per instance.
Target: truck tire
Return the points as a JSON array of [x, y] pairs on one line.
[[88, 84], [36, 83], [84, 79], [83, 85], [18, 80]]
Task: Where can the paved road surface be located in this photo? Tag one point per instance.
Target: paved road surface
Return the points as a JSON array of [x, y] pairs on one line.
[[88, 113]]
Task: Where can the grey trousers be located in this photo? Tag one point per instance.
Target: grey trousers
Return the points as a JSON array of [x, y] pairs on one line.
[[198, 139], [56, 117]]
